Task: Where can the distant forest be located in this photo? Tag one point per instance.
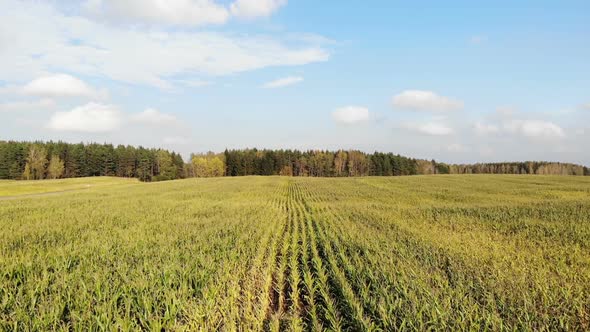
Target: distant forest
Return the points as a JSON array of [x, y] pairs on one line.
[[53, 160]]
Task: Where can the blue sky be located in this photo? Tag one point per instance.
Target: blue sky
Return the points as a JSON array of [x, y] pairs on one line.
[[459, 81]]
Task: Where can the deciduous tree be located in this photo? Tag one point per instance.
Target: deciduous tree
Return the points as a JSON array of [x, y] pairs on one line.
[[56, 168]]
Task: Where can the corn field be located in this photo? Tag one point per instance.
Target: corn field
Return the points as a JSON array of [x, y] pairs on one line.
[[460, 252]]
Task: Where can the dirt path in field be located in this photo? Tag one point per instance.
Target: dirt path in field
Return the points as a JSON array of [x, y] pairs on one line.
[[51, 193]]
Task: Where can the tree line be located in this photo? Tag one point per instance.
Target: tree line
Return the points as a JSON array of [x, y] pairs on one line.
[[53, 160], [317, 163], [356, 163], [529, 167]]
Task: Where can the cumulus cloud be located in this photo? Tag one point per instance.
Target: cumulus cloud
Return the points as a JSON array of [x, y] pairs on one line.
[[174, 12], [152, 116], [351, 114], [249, 9], [283, 82], [90, 118], [133, 55], [419, 100], [430, 128], [485, 129], [27, 105], [60, 85], [509, 121], [535, 128]]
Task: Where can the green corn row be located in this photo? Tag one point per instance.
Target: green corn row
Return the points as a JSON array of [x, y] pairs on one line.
[[455, 253]]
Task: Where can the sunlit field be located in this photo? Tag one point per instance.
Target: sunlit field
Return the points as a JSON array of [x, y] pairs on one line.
[[14, 189], [478, 252]]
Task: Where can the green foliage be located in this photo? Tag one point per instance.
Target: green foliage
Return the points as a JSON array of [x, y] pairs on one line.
[[165, 166], [442, 168], [453, 253], [529, 167], [84, 160], [316, 163]]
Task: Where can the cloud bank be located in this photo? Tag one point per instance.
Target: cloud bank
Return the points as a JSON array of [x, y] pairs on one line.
[[44, 40]]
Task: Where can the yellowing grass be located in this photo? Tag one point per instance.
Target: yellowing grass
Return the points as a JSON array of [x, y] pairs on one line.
[[273, 253], [17, 188]]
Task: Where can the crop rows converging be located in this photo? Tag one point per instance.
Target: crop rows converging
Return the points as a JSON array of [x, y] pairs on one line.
[[301, 254]]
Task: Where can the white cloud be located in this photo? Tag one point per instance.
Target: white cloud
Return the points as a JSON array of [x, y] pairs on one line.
[[249, 9], [535, 128], [351, 114], [42, 39], [485, 129], [180, 12], [174, 12], [61, 85], [153, 117], [283, 82], [27, 105], [419, 100], [586, 106], [509, 121], [431, 128], [91, 118]]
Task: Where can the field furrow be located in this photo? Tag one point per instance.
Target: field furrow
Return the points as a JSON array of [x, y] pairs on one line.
[[456, 253]]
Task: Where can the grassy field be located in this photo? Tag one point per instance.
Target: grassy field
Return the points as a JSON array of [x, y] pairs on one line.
[[10, 188], [276, 253]]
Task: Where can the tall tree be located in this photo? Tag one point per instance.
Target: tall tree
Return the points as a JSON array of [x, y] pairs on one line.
[[357, 164], [37, 160], [209, 165], [165, 168], [27, 173], [56, 168], [340, 162]]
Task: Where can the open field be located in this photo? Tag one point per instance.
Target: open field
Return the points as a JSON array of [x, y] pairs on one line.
[[478, 252], [13, 189]]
